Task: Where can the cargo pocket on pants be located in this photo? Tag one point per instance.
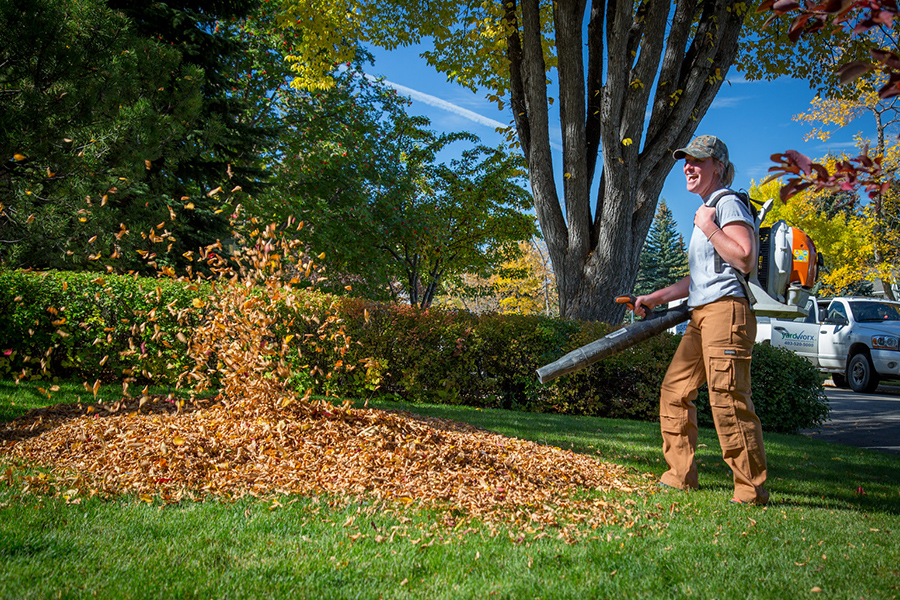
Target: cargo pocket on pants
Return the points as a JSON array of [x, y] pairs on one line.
[[729, 392], [729, 369]]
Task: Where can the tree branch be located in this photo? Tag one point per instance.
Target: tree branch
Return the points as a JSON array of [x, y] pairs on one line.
[[593, 123], [690, 79], [650, 33], [568, 16], [516, 82], [540, 160]]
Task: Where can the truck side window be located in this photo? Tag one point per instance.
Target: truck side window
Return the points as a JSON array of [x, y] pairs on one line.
[[812, 312], [813, 315], [837, 310]]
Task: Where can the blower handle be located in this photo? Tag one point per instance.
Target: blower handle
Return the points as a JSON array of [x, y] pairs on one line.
[[628, 301]]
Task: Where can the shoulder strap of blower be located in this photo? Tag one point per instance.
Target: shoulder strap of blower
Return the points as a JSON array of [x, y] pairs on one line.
[[743, 278]]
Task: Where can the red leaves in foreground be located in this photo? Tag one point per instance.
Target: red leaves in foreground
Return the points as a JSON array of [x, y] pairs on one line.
[[857, 68], [862, 171], [854, 16], [157, 450], [858, 15]]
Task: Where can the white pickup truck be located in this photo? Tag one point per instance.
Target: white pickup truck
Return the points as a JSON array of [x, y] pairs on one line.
[[855, 340]]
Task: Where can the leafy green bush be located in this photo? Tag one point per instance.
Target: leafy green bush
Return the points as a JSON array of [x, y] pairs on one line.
[[490, 361], [454, 357], [625, 385], [94, 327]]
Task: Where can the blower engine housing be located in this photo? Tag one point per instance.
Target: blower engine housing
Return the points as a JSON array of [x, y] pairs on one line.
[[787, 269]]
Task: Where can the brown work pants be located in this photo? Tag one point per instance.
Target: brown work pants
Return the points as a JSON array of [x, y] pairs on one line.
[[716, 348]]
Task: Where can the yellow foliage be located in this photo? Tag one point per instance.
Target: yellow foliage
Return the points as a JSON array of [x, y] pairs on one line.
[[839, 112], [829, 114], [325, 26], [469, 40], [524, 285]]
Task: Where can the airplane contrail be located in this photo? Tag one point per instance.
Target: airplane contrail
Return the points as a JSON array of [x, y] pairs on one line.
[[728, 102], [449, 106], [444, 105]]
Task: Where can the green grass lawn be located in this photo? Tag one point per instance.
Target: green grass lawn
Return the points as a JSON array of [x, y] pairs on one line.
[[831, 531]]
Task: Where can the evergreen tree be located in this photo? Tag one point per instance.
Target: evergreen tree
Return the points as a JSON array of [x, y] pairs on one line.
[[223, 140], [118, 121], [663, 259]]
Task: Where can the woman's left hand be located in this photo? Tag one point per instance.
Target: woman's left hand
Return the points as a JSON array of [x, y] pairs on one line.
[[705, 219]]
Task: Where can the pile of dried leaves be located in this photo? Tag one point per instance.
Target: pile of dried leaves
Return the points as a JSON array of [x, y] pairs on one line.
[[154, 448]]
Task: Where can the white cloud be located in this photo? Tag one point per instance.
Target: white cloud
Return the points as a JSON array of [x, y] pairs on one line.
[[727, 102], [758, 172]]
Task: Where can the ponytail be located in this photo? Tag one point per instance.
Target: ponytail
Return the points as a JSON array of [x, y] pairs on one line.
[[728, 174]]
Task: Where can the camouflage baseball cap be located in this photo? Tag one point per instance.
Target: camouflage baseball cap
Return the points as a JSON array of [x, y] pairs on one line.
[[704, 146]]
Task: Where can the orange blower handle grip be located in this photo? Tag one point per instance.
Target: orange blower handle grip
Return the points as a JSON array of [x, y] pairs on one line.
[[628, 301]]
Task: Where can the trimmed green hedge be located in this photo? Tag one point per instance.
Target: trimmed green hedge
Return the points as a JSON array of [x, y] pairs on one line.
[[93, 327], [439, 356]]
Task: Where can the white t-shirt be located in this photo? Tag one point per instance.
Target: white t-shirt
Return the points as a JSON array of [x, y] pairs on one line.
[[706, 284]]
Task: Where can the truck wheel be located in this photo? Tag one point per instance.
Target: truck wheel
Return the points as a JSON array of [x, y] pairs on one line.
[[861, 374], [839, 380]]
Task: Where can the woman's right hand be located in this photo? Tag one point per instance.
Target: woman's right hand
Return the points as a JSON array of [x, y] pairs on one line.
[[644, 304], [676, 291]]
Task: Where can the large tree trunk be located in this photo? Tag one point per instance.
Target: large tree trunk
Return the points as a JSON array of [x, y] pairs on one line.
[[687, 52]]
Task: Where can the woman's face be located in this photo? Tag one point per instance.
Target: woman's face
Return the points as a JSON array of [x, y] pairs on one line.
[[702, 175]]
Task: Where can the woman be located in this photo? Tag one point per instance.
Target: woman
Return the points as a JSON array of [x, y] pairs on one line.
[[718, 343]]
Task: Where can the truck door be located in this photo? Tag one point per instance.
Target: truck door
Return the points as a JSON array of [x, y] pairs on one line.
[[834, 337], [800, 335]]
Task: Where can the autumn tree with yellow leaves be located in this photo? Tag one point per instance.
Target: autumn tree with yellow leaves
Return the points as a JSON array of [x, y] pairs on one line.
[[842, 232], [524, 285]]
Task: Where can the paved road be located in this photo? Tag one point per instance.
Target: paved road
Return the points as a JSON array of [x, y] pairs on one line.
[[863, 420]]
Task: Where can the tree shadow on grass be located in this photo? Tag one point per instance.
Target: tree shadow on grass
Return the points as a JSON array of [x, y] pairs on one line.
[[18, 399], [829, 475]]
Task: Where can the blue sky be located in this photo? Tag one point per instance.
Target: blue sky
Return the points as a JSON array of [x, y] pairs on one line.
[[755, 120]]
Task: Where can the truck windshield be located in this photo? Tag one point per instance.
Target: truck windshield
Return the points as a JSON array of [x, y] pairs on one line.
[[870, 311]]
